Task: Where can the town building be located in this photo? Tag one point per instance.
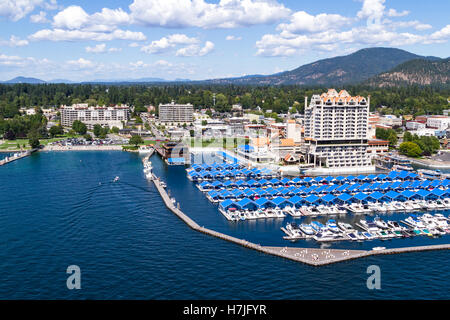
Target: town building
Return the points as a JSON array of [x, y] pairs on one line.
[[105, 116], [172, 112], [438, 122], [414, 125], [336, 129], [377, 146]]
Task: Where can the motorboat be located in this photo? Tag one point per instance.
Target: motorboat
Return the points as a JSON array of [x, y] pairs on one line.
[[116, 179], [307, 229], [380, 223], [346, 227], [332, 226]]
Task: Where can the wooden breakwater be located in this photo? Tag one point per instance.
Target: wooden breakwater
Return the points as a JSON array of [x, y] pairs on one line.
[[310, 256]]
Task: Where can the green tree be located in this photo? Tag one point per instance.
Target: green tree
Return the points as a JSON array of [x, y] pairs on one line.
[[97, 130], [410, 149], [88, 137], [79, 127], [136, 140], [33, 141], [56, 130], [115, 130]]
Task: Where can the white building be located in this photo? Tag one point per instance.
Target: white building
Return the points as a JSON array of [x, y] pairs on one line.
[[336, 129], [438, 122], [414, 125], [173, 112], [104, 116]]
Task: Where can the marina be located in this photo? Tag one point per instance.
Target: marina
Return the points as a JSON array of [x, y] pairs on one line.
[[330, 232]]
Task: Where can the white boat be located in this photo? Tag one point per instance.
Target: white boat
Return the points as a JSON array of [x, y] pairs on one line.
[[332, 226], [380, 223], [307, 229], [116, 179], [346, 227]]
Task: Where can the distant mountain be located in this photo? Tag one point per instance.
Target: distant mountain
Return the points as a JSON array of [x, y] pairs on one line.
[[25, 80], [350, 69], [60, 81], [418, 71]]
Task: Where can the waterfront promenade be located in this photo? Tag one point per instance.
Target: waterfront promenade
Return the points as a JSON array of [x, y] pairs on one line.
[[310, 256]]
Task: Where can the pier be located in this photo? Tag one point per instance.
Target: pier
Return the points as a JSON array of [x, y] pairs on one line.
[[310, 256]]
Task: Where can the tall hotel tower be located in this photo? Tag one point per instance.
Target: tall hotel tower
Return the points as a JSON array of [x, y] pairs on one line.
[[336, 127]]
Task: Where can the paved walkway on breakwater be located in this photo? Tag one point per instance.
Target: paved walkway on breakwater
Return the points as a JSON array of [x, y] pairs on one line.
[[310, 256], [12, 158]]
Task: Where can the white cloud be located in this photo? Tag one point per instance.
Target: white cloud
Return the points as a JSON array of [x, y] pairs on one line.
[[233, 38], [372, 10], [39, 18], [170, 42], [74, 17], [14, 42], [99, 48], [303, 22], [16, 10], [81, 63], [198, 13], [80, 35], [442, 34], [195, 50], [395, 13]]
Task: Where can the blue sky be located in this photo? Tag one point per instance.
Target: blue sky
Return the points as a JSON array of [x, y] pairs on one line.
[[203, 39]]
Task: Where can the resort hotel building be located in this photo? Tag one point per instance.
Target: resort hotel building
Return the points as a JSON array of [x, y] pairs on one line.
[[336, 132], [172, 112], [104, 116]]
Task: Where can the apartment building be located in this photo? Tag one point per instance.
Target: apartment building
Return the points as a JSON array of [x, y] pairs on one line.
[[104, 116], [336, 130], [173, 112]]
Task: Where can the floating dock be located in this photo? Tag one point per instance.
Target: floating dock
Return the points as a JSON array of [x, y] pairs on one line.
[[310, 256]]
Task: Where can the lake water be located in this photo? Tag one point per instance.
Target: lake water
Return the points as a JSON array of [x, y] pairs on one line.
[[62, 208]]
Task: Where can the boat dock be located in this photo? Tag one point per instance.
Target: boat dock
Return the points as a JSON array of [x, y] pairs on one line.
[[310, 256]]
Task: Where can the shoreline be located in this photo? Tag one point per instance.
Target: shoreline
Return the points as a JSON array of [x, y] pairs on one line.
[[82, 148], [432, 165]]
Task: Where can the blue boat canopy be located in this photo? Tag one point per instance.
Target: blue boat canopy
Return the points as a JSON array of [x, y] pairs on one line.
[[328, 198], [311, 198], [361, 196], [344, 197], [376, 195]]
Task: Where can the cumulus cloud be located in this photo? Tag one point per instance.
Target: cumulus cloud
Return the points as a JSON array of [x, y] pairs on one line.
[[101, 48], [74, 24], [81, 63], [195, 50], [198, 13], [303, 22], [16, 10], [39, 18], [14, 42], [190, 46], [395, 13]]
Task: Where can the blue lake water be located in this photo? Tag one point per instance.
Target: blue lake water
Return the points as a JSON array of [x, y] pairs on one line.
[[62, 208]]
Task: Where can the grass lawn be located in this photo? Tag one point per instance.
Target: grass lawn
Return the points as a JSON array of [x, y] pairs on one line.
[[12, 144]]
